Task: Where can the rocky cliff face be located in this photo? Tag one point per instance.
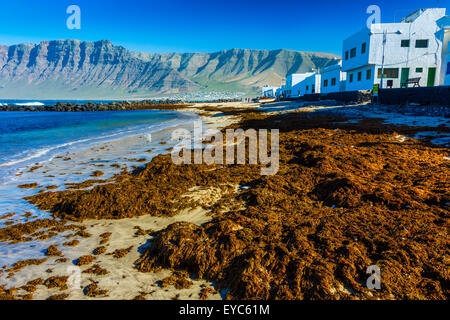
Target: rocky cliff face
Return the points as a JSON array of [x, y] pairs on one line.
[[74, 68], [243, 68], [69, 69]]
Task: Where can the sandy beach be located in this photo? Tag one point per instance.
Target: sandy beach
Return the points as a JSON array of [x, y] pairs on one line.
[[352, 191], [122, 280]]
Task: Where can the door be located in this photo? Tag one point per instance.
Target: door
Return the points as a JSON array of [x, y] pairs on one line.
[[405, 76], [431, 77]]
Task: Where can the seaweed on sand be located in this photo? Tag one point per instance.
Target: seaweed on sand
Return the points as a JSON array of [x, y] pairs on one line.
[[347, 196], [99, 250], [39, 229], [179, 279], [59, 282], [156, 190], [31, 286], [97, 270], [343, 200], [71, 243], [52, 251], [84, 260], [120, 253], [93, 290], [104, 237], [19, 265], [61, 296]]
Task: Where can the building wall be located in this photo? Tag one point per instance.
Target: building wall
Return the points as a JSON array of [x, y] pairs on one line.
[[444, 35], [355, 42], [447, 71], [307, 85], [366, 83], [292, 81], [396, 56], [328, 74]]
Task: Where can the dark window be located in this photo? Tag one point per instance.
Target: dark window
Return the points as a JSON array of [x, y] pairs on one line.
[[325, 83], [359, 76], [363, 48], [405, 43], [351, 77], [419, 70], [369, 74], [307, 88], [389, 73], [448, 68], [346, 55], [353, 53], [421, 43], [313, 88], [333, 81]]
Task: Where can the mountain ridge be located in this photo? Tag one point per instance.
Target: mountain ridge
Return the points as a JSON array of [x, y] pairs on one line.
[[69, 69]]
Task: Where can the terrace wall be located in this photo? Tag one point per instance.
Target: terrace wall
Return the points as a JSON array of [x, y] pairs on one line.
[[423, 96]]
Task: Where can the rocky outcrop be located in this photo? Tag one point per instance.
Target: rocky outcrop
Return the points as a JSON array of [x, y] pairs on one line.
[[98, 106]]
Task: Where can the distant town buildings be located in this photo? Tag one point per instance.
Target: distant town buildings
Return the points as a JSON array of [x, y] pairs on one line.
[[269, 92], [413, 52]]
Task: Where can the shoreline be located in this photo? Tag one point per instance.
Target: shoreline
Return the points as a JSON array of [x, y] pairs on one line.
[[313, 149], [119, 240]]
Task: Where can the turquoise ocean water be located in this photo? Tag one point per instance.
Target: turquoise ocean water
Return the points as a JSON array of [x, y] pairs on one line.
[[30, 137]]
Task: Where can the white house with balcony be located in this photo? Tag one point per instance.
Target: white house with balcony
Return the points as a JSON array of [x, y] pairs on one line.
[[395, 52], [333, 79], [444, 36], [310, 85]]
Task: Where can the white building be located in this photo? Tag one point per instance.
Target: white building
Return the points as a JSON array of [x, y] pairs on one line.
[[292, 82], [333, 79], [269, 92], [310, 85], [444, 36], [404, 50]]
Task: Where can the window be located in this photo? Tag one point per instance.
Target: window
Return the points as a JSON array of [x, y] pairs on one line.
[[333, 81], [307, 88], [363, 48], [359, 76], [389, 73], [353, 53], [313, 88], [346, 55], [351, 77], [419, 70], [325, 83], [421, 43], [405, 43], [448, 68], [369, 74]]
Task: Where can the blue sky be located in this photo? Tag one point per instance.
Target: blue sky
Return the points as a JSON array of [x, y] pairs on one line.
[[201, 25]]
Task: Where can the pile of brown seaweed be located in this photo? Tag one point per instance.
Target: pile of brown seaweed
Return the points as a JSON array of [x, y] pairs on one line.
[[347, 196]]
